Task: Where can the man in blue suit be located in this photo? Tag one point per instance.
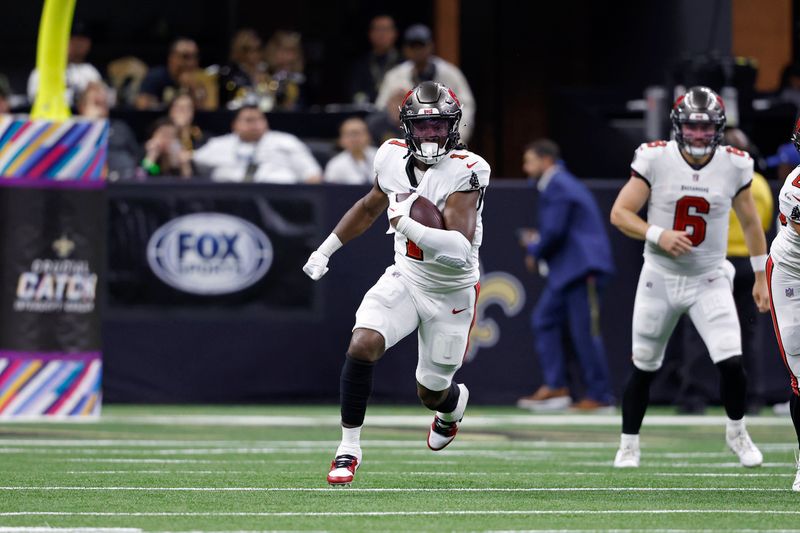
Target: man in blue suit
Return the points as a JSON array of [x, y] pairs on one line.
[[572, 249]]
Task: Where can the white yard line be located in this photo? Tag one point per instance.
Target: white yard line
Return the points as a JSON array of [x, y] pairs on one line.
[[394, 443], [237, 461], [645, 473], [407, 513], [394, 489], [27, 529]]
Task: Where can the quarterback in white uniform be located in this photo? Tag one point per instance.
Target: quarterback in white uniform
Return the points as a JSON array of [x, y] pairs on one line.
[[783, 279], [689, 185], [433, 285]]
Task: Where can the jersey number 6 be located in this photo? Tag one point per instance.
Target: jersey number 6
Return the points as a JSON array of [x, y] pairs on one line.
[[684, 220]]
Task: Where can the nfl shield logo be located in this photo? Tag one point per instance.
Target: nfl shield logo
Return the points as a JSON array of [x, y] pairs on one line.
[[695, 177], [789, 292]]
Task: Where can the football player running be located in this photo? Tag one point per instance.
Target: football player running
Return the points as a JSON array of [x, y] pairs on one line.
[[689, 184], [433, 285], [783, 279]]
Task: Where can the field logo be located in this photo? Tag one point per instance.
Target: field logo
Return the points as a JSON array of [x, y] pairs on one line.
[[209, 253]]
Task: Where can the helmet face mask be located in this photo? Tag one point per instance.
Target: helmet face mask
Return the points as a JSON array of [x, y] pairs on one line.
[[430, 115], [698, 121]]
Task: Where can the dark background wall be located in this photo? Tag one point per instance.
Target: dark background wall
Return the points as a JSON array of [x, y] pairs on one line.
[[211, 350]]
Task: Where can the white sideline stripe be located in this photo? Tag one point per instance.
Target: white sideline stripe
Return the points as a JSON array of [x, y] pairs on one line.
[[427, 473], [395, 443], [68, 529], [422, 421], [407, 513], [403, 489]]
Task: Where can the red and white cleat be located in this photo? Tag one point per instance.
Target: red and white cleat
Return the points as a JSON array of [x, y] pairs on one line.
[[443, 432], [343, 470]]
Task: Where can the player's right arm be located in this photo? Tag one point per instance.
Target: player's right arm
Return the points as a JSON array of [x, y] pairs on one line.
[[362, 215], [354, 222], [624, 215]]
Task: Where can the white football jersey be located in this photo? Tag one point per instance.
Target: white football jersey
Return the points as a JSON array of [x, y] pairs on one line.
[[460, 170], [785, 249], [696, 201]]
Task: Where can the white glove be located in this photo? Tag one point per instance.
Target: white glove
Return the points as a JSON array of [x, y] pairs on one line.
[[317, 265], [400, 209]]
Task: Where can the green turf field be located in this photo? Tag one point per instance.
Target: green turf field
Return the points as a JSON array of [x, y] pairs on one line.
[[263, 469]]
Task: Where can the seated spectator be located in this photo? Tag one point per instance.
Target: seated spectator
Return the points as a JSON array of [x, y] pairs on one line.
[[422, 65], [385, 124], [125, 75], [123, 150], [253, 152], [354, 165], [162, 83], [245, 74], [79, 73], [164, 155], [284, 55], [369, 70], [181, 113]]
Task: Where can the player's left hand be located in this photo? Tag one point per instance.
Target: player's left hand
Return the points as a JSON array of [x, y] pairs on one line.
[[399, 209], [761, 292]]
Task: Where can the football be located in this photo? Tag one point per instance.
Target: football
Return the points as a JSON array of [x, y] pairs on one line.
[[424, 212]]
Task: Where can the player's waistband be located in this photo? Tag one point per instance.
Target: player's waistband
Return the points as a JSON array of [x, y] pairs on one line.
[[652, 265]]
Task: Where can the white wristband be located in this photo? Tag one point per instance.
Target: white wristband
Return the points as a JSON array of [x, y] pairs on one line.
[[654, 233], [330, 245], [758, 262]]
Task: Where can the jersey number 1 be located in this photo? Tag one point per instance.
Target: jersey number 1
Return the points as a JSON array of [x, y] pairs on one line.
[[684, 220]]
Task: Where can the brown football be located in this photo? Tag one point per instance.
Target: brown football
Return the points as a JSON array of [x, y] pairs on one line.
[[424, 212]]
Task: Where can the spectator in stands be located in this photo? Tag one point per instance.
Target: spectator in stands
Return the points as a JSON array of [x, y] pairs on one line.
[[162, 83], [123, 149], [354, 165], [693, 394], [181, 113], [79, 73], [385, 124], [369, 70], [253, 152], [422, 65], [245, 73], [164, 155], [572, 241], [284, 55]]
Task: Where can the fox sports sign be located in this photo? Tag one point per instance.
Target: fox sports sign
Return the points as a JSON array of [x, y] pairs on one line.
[[209, 253]]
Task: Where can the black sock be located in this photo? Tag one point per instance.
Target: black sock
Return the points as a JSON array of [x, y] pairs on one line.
[[635, 400], [794, 407], [451, 401], [355, 386], [733, 386]]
